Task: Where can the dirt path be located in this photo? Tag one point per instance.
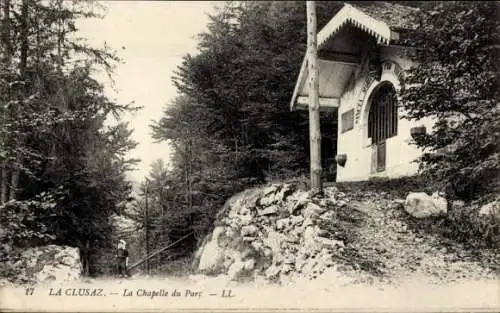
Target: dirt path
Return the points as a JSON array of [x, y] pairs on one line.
[[404, 252]]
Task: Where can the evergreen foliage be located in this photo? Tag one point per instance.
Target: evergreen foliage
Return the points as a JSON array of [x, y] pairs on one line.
[[231, 126], [456, 82], [62, 165]]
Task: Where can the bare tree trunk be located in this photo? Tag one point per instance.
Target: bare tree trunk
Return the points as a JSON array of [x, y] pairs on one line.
[[7, 57], [188, 172], [190, 177], [60, 37], [148, 268], [24, 37], [14, 179], [14, 183], [314, 124], [3, 186], [62, 99], [87, 259], [6, 36]]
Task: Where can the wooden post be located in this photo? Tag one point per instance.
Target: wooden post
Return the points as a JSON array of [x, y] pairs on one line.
[[314, 124]]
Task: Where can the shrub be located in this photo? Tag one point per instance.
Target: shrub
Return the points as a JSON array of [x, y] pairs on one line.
[[455, 81], [22, 226]]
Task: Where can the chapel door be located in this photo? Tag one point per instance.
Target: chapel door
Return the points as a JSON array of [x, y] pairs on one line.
[[378, 153], [382, 124]]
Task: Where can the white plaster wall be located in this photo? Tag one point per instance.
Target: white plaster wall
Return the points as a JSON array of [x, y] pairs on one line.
[[400, 152]]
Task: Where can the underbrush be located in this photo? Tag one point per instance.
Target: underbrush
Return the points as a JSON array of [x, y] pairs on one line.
[[176, 267], [463, 225], [397, 187], [344, 226]]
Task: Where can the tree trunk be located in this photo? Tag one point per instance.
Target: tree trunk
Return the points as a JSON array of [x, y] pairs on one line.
[[85, 252], [190, 177], [6, 36], [14, 180], [17, 110], [60, 37], [148, 269], [7, 57], [314, 123], [24, 38], [188, 172]]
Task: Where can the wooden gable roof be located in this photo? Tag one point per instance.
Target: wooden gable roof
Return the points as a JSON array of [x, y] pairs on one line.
[[382, 21]]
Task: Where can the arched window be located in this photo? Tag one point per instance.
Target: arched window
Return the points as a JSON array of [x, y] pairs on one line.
[[382, 123], [383, 116]]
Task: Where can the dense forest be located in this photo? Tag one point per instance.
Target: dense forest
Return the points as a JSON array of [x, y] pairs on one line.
[[62, 166]]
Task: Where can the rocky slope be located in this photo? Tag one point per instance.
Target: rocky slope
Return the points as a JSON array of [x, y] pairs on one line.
[[283, 234], [44, 264]]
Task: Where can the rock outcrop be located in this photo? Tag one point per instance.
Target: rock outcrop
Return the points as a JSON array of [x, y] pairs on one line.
[[48, 263], [421, 205], [272, 232]]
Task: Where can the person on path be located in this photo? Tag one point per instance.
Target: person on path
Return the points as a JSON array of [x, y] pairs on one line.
[[122, 258]]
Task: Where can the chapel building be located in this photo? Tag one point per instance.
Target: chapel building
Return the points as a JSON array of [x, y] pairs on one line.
[[361, 66]]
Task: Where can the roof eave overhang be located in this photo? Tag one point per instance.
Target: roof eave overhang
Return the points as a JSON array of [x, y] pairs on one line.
[[299, 82], [348, 14]]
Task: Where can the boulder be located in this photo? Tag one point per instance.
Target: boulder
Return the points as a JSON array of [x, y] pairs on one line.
[[440, 202], [286, 268], [249, 265], [301, 198], [300, 261], [245, 219], [270, 189], [272, 272], [297, 232], [56, 273], [290, 259], [341, 203], [326, 256], [267, 251], [51, 263], [228, 261], [308, 222], [330, 242], [257, 245], [269, 195], [313, 209], [310, 239], [236, 270], [267, 200], [212, 256], [327, 216], [282, 223], [284, 192], [421, 205], [249, 230], [491, 209], [273, 241], [273, 209], [292, 238], [249, 238], [296, 219]]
